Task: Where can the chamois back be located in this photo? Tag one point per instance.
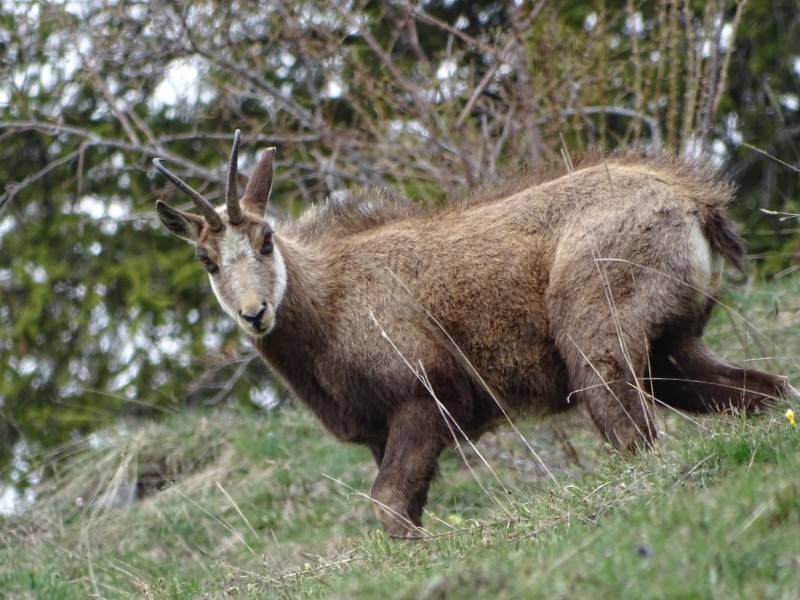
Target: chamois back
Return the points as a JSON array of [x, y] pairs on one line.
[[346, 213]]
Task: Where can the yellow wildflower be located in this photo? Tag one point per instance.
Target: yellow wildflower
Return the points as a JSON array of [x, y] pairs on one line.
[[454, 519], [790, 417]]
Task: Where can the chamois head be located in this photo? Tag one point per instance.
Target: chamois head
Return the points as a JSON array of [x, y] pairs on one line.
[[235, 244]]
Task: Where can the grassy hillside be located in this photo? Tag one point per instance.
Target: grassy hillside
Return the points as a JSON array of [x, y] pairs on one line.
[[236, 505]]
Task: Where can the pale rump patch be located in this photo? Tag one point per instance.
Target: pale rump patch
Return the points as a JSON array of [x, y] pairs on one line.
[[704, 268]]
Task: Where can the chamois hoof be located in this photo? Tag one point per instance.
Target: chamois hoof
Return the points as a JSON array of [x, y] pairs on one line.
[[396, 522], [764, 392], [415, 533]]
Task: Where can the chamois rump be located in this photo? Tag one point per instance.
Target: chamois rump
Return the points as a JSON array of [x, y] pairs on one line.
[[591, 287]]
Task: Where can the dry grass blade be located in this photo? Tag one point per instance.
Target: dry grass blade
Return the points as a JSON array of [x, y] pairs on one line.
[[605, 384], [753, 328], [236, 507], [770, 156], [451, 421], [464, 359], [400, 517], [680, 413], [219, 520], [635, 375], [448, 419]]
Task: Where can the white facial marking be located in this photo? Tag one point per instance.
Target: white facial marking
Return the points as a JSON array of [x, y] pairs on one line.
[[221, 301], [280, 277], [233, 246]]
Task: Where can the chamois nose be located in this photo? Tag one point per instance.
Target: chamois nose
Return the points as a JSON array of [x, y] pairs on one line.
[[255, 319]]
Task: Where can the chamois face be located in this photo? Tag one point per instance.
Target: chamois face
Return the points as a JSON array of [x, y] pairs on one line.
[[246, 271], [235, 244]]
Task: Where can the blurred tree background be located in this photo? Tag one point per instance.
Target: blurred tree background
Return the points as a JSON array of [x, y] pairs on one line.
[[103, 314]]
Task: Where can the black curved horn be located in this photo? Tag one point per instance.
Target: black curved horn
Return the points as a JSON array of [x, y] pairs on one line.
[[204, 206], [231, 193]]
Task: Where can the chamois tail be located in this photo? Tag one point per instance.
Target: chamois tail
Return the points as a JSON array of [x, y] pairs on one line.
[[722, 236]]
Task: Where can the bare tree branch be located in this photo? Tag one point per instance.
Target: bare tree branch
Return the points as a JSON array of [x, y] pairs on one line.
[[652, 122], [12, 189]]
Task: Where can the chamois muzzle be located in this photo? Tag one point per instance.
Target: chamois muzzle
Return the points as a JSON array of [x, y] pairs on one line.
[[257, 318]]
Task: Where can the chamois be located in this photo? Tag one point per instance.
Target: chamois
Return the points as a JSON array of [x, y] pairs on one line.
[[392, 322]]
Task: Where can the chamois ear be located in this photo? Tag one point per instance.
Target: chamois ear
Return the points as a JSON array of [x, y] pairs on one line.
[[256, 194], [184, 225]]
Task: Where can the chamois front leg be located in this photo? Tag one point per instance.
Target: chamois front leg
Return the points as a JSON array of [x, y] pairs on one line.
[[408, 466]]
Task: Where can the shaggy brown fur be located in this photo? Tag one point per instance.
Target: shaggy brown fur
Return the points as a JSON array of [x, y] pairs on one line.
[[588, 288]]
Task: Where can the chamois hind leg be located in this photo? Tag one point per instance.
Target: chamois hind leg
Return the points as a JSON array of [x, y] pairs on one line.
[[687, 375], [603, 340], [408, 466], [603, 314], [604, 373]]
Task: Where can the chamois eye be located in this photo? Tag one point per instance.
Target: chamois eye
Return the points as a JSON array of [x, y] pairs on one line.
[[266, 245]]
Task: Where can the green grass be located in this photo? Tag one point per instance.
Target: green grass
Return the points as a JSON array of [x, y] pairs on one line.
[[237, 505]]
